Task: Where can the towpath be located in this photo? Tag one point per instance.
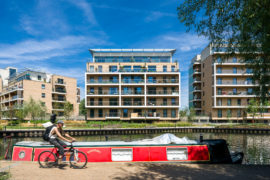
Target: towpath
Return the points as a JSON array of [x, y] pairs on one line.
[[134, 171]]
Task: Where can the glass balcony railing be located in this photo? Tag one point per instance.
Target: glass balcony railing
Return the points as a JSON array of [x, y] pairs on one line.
[[102, 81], [133, 70], [102, 103]]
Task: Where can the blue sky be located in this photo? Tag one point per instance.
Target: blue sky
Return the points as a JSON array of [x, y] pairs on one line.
[[55, 35]]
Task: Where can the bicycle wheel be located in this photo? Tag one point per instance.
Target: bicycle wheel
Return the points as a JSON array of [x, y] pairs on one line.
[[78, 160], [47, 159]]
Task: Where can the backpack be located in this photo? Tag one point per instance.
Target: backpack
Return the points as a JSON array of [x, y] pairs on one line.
[[47, 133]]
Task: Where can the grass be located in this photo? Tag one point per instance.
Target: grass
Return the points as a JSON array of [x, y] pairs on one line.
[[5, 175], [100, 124]]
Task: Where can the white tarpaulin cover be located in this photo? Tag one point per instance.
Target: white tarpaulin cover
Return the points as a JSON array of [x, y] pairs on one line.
[[162, 140]]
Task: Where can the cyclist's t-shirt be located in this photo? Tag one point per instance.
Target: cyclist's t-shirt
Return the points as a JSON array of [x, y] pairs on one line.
[[53, 136]]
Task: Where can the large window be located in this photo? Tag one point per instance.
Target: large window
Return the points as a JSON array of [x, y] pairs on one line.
[[125, 112], [229, 102], [219, 81], [173, 111], [219, 113], [219, 70], [155, 59], [234, 70], [113, 68], [100, 113], [113, 90], [165, 113], [92, 113], [137, 68], [152, 68], [164, 68], [234, 80], [127, 68]]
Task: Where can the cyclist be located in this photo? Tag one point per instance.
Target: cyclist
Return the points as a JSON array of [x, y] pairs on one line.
[[56, 134]]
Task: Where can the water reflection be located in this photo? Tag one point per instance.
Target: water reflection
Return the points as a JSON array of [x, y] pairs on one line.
[[255, 147]]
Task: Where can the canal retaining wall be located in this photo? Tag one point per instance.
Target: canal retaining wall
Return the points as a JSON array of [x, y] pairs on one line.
[[126, 131]]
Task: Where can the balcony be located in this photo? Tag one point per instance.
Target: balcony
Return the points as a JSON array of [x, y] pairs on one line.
[[59, 91], [231, 93], [132, 93], [61, 83], [161, 93], [233, 83], [233, 73], [163, 103], [129, 103], [93, 93], [129, 81], [11, 89], [103, 103], [59, 99], [102, 82], [162, 81], [142, 70], [112, 115]]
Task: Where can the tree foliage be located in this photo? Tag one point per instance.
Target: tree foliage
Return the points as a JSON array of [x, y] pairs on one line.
[[34, 109], [82, 110], [253, 108], [236, 26], [68, 108], [183, 113]]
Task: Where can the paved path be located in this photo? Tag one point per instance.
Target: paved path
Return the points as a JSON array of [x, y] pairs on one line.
[[134, 171]]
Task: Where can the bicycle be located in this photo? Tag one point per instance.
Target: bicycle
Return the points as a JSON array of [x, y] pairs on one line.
[[77, 159]]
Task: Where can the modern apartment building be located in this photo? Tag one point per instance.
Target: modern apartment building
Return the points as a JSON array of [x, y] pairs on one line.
[[132, 84], [221, 87], [52, 90]]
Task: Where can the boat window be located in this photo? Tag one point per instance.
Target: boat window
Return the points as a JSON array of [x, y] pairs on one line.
[[174, 154], [123, 154]]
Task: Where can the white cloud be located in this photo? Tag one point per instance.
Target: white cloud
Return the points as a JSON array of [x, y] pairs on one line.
[[155, 15], [33, 50], [87, 10]]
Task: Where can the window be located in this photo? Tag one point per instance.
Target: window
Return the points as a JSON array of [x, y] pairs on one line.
[[219, 113], [164, 68], [91, 68], [229, 113], [219, 102], [165, 101], [165, 113], [100, 113], [100, 79], [138, 90], [249, 91], [99, 68], [234, 91], [114, 79], [42, 86], [173, 68], [249, 71], [127, 90], [92, 102], [219, 60], [92, 80], [39, 77], [127, 102], [100, 91], [152, 69], [173, 101], [248, 81], [234, 80], [219, 91], [234, 60], [127, 68], [239, 113], [219, 81], [92, 90], [165, 90], [100, 102], [219, 70], [43, 95], [173, 113], [137, 68], [234, 70], [113, 90], [92, 113], [229, 102], [239, 102], [125, 112], [113, 68]]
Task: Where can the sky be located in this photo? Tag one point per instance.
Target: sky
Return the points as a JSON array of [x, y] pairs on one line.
[[55, 35]]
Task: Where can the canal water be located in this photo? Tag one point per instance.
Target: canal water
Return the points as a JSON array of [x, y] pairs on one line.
[[256, 148]]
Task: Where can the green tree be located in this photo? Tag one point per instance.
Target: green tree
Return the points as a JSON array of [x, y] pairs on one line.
[[20, 112], [253, 108], [68, 108], [82, 109], [191, 114], [238, 26], [183, 113], [34, 109]]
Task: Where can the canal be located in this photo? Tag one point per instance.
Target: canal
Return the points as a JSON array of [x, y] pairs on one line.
[[256, 148]]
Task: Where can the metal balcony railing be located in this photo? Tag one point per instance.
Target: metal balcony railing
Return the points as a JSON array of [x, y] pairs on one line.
[[102, 81], [132, 70], [163, 93], [161, 81], [102, 103]]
